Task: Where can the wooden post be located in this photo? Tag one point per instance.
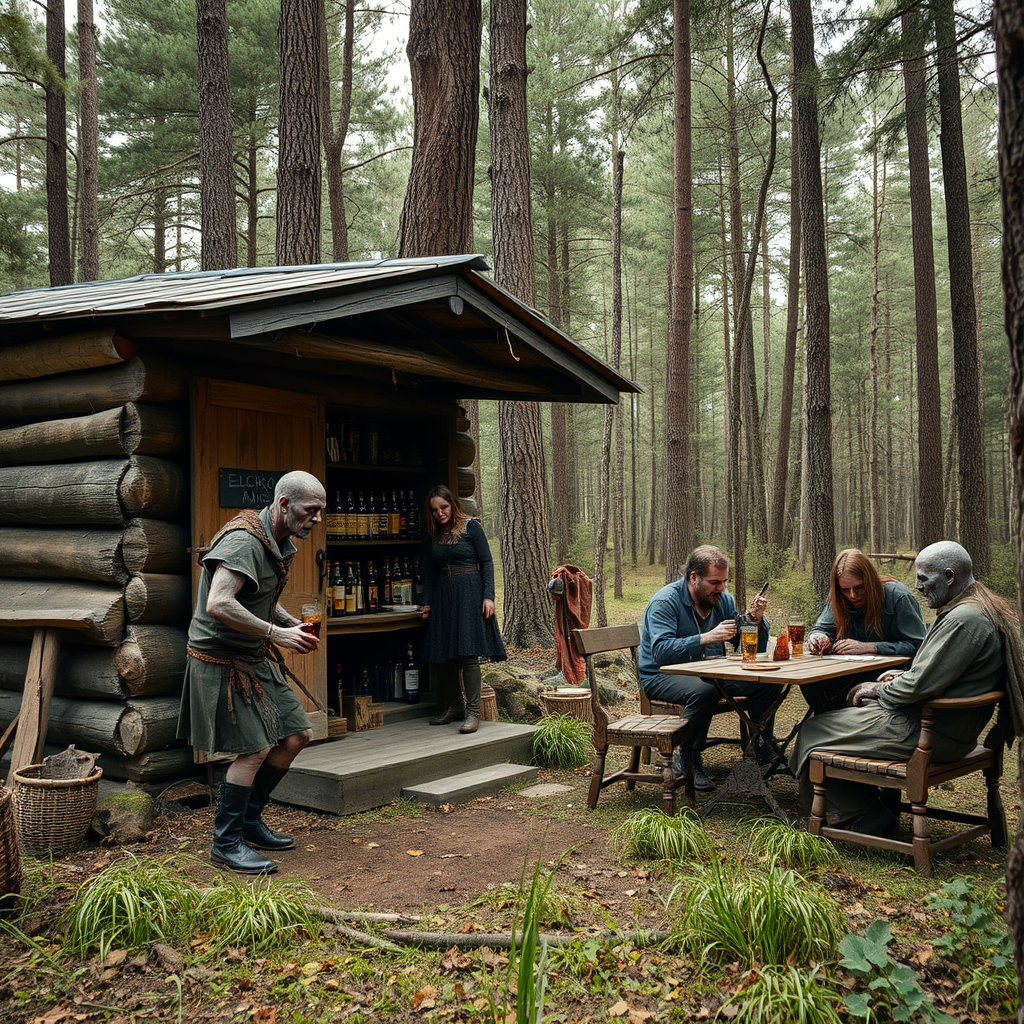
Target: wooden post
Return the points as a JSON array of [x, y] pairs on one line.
[[35, 702]]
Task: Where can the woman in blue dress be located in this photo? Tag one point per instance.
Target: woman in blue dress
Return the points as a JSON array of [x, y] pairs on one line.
[[458, 607]]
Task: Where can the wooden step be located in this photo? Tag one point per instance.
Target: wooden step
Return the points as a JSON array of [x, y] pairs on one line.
[[459, 789], [362, 770]]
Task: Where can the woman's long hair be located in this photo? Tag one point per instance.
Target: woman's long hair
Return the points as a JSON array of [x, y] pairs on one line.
[[459, 522], [856, 563]]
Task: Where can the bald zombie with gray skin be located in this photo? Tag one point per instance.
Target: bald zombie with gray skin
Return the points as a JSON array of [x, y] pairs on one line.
[[965, 654], [235, 699]]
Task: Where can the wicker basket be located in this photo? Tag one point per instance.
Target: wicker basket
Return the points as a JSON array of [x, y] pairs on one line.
[[488, 703], [574, 703], [10, 854], [53, 815]]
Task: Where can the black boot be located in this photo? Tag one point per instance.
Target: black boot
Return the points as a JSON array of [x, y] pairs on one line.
[[456, 713], [255, 830], [228, 847]]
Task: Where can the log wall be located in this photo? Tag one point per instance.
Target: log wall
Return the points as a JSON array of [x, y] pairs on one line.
[[94, 504]]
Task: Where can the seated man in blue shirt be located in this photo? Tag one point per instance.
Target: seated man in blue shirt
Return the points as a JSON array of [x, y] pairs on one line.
[[690, 620]]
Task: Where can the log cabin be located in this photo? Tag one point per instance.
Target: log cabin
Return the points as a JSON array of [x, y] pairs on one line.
[[137, 415]]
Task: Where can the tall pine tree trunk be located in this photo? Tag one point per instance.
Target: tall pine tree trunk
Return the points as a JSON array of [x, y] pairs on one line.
[[1008, 23], [678, 496], [298, 161], [971, 455], [929, 405], [216, 151], [817, 399], [336, 132], [58, 234], [524, 532], [88, 143], [618, 511]]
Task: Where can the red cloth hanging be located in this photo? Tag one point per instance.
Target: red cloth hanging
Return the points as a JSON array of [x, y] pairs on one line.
[[572, 611]]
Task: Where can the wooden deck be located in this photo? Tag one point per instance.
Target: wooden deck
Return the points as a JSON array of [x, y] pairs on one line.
[[362, 770]]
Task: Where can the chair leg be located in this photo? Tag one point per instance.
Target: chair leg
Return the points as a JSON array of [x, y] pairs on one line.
[[922, 840], [996, 812], [818, 805], [596, 778], [668, 790], [634, 766]]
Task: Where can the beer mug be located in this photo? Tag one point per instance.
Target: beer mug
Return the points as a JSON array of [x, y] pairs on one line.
[[312, 617], [796, 635], [748, 640]]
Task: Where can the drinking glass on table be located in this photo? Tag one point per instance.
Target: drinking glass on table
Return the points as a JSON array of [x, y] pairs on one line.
[[797, 627], [748, 640]]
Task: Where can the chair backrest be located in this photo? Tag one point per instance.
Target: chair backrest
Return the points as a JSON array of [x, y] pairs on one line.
[[589, 642]]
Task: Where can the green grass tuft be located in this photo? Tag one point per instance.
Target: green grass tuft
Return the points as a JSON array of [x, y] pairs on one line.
[[786, 995], [260, 917], [779, 842], [128, 905], [561, 741], [652, 835], [777, 917]]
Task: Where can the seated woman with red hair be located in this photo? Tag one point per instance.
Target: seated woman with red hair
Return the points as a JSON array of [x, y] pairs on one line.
[[866, 614]]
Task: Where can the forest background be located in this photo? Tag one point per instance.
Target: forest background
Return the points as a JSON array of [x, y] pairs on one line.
[[125, 182]]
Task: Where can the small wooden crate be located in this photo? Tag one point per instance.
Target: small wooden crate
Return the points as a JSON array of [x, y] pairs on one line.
[[336, 726], [361, 713]]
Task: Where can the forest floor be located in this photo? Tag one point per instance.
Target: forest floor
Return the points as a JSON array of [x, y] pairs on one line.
[[458, 870]]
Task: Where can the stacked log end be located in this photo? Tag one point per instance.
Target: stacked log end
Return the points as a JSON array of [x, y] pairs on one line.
[[94, 499], [465, 457]]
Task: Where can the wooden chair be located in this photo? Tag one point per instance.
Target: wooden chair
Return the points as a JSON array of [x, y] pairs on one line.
[[661, 732], [664, 707], [917, 776]]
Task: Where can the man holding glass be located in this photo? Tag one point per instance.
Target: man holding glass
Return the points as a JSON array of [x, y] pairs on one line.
[[235, 699], [692, 619]]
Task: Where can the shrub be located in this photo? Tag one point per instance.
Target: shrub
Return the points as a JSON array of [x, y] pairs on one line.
[[561, 741], [262, 918], [786, 994], [652, 835], [779, 842]]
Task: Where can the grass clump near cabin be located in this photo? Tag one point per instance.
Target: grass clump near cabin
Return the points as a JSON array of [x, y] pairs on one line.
[[778, 842], [129, 905], [786, 993], [561, 741], [775, 917], [651, 834]]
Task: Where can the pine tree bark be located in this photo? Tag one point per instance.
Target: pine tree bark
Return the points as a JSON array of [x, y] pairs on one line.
[[929, 400], [88, 144], [444, 58], [525, 542], [678, 489], [298, 162], [1008, 24], [216, 148], [618, 510], [971, 454], [818, 397], [58, 239], [336, 132], [777, 531]]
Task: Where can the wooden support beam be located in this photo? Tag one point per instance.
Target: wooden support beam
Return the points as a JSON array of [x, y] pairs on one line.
[[63, 355], [34, 716]]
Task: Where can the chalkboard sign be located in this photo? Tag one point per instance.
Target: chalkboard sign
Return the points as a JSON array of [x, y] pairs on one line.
[[247, 488]]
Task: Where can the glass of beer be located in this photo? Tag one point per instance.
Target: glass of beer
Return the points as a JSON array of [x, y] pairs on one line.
[[748, 640], [796, 635], [312, 617]]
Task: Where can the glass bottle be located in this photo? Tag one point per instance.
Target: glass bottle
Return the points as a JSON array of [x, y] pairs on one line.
[[372, 591], [350, 590], [411, 677]]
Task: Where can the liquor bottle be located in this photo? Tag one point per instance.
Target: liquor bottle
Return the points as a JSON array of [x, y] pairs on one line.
[[393, 517], [362, 518], [350, 590], [411, 677], [403, 516], [382, 516], [388, 588], [334, 520], [337, 590], [414, 518], [406, 582], [363, 686], [418, 582], [372, 590], [360, 589], [371, 517], [397, 679], [350, 517]]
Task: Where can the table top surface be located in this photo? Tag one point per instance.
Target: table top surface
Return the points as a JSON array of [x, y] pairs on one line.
[[811, 668]]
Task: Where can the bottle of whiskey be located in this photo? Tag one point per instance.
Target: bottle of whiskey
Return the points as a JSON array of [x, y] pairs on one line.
[[362, 518], [393, 517], [403, 516], [337, 590], [413, 516], [371, 518], [350, 590], [372, 590], [411, 677], [388, 589], [334, 520], [350, 517], [382, 516]]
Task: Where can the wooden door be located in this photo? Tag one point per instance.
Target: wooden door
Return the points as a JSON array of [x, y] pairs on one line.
[[257, 429]]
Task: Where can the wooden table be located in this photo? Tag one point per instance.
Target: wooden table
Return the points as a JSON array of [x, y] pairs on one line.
[[747, 776]]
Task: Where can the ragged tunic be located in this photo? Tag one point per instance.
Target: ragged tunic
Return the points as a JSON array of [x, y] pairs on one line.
[[902, 628], [214, 717], [457, 578], [962, 656]]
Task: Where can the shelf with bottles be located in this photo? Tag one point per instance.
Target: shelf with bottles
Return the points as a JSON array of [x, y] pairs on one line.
[[366, 516], [359, 590], [386, 668], [376, 542]]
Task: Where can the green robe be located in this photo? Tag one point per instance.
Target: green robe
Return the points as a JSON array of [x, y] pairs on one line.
[[962, 656]]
